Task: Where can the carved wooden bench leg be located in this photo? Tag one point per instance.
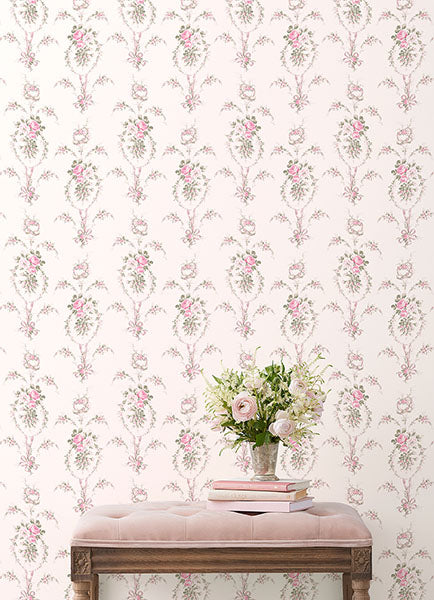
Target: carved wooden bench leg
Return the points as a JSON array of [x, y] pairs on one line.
[[361, 589], [94, 590], [81, 590], [347, 590], [361, 572]]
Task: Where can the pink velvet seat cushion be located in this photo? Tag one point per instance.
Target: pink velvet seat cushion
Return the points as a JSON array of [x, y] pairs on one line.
[[190, 525]]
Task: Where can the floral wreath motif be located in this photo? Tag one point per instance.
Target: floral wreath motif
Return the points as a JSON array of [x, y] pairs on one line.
[[407, 50], [192, 50], [84, 46]]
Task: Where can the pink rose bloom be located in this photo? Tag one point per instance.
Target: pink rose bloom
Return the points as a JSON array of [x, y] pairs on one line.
[[140, 269], [358, 125], [250, 260], [401, 304], [77, 35], [78, 304], [356, 403], [34, 125], [404, 313], [293, 35], [31, 403], [185, 575], [295, 313], [244, 407], [357, 260], [142, 260], [185, 304], [188, 448], [34, 260], [294, 304], [186, 438], [401, 169], [282, 426], [187, 313], [142, 125], [401, 35], [34, 395], [293, 170], [77, 170], [249, 125], [142, 395], [402, 438], [185, 170], [358, 395], [77, 439], [402, 573], [140, 403], [186, 34], [404, 448], [34, 529], [296, 178]]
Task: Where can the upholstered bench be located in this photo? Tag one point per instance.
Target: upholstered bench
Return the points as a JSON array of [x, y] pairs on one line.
[[183, 537]]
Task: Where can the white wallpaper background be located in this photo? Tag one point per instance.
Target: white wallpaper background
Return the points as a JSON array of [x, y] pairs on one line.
[[146, 152]]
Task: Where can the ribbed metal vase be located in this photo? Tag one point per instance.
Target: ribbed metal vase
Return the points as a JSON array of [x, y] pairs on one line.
[[264, 460]]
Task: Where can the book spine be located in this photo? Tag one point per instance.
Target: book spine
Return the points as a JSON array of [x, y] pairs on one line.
[[276, 486], [255, 495], [250, 506]]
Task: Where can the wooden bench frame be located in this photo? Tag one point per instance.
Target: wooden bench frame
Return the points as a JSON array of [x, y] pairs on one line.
[[87, 563]]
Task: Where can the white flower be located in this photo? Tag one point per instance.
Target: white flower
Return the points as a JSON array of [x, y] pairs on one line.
[[316, 395], [255, 384], [220, 416], [282, 414], [244, 407], [297, 387], [282, 426]]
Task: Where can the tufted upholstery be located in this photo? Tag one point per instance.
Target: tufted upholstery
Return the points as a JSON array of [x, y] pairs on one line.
[[190, 525]]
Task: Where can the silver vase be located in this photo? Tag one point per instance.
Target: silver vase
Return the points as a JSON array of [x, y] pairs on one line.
[[264, 459]]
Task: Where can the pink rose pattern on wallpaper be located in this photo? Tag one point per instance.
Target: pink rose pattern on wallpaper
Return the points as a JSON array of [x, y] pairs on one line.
[[197, 213]]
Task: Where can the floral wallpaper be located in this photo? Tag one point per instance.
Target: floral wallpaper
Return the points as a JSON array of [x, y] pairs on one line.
[[184, 182]]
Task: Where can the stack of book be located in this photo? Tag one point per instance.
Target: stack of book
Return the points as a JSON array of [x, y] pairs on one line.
[[241, 495]]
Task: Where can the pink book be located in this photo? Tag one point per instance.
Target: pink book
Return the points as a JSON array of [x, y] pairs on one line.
[[262, 507], [281, 485]]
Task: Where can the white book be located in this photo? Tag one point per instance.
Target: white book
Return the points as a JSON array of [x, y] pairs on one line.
[[258, 506], [280, 485], [256, 495]]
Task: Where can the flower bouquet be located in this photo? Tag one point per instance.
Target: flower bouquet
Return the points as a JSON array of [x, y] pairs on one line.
[[267, 406]]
